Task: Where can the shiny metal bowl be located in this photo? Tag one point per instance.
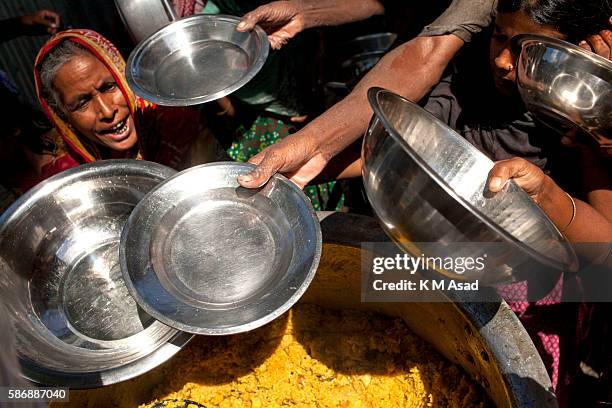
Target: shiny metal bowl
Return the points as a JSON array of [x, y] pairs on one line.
[[565, 86], [196, 59], [75, 321], [204, 255], [428, 184]]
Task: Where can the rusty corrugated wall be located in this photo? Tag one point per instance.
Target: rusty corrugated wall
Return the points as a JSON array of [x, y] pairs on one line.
[[17, 55]]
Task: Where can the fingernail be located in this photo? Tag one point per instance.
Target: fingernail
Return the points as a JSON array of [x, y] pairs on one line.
[[495, 184], [582, 43], [247, 178], [242, 24]]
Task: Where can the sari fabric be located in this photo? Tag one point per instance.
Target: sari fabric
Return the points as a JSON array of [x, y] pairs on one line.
[[164, 134], [186, 8]]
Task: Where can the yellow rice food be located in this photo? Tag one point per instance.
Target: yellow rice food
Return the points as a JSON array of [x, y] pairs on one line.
[[313, 357]]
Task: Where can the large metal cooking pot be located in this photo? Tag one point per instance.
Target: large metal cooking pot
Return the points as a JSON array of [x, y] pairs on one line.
[[75, 322], [144, 17], [487, 340], [428, 184]]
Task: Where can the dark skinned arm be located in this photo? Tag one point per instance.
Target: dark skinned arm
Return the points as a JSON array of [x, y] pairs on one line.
[[38, 23], [283, 20], [410, 70], [592, 221]]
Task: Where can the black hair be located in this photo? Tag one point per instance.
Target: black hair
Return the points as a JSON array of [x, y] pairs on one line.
[[576, 19]]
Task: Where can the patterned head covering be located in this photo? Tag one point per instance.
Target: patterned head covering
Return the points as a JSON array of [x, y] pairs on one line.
[[103, 50]]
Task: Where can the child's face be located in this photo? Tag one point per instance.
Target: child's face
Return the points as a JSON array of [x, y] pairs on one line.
[[502, 60]]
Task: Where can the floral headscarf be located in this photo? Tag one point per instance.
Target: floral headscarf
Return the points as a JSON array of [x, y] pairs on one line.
[[165, 134], [104, 51]]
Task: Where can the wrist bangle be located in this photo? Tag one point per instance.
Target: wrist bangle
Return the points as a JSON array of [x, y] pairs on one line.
[[573, 213]]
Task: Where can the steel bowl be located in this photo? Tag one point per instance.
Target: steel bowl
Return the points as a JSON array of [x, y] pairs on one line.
[[196, 59], [565, 86], [75, 321], [144, 17], [204, 255], [428, 184]]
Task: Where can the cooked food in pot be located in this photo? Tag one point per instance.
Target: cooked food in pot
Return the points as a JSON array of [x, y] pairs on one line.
[[314, 357]]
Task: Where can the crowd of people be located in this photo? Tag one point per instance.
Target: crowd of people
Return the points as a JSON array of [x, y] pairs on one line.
[[461, 68]]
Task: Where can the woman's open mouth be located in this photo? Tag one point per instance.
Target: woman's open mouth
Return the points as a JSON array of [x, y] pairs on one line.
[[119, 131]]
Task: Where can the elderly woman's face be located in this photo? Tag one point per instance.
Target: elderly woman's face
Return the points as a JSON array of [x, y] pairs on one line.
[[503, 62], [94, 104]]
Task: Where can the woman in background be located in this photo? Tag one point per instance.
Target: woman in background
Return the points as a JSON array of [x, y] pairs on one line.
[[81, 86]]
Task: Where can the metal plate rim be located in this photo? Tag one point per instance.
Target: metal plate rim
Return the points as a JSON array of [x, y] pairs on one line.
[[519, 40], [258, 32], [232, 329], [94, 379], [43, 375]]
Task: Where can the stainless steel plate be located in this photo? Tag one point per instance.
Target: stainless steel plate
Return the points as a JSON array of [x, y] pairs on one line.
[[195, 60], [204, 255], [75, 321]]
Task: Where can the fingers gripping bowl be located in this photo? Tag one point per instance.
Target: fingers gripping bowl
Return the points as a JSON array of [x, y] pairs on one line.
[[427, 184], [203, 254]]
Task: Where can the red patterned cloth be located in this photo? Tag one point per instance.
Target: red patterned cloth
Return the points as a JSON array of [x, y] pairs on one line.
[[164, 134], [186, 8], [554, 327]]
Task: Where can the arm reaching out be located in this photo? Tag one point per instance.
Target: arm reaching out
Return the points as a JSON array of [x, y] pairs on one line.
[[283, 20], [41, 22], [579, 221], [410, 70]]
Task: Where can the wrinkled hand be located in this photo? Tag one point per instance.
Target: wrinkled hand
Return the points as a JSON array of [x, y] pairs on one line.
[[296, 157], [41, 22], [282, 20], [528, 176], [600, 44]]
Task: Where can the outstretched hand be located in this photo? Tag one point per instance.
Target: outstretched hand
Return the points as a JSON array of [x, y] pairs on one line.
[[280, 19], [296, 156], [601, 43], [41, 22]]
